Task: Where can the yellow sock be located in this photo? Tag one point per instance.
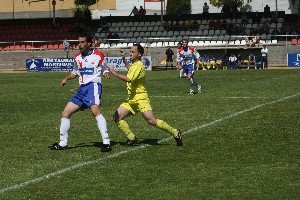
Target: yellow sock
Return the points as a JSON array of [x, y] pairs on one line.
[[166, 127], [123, 126]]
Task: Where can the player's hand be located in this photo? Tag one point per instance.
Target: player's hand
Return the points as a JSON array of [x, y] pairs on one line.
[[106, 75], [122, 53], [64, 82]]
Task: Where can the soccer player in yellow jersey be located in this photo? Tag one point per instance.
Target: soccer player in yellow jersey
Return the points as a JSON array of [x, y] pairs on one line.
[[138, 100]]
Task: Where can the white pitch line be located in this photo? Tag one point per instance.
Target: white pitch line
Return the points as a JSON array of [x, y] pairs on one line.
[[245, 97], [80, 165]]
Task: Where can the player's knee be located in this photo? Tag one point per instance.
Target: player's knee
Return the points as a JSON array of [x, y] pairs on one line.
[[65, 114], [152, 121], [116, 117]]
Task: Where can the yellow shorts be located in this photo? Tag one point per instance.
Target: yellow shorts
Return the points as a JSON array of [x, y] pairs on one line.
[[140, 103]]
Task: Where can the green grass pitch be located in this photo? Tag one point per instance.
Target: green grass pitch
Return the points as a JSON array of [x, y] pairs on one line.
[[241, 139]]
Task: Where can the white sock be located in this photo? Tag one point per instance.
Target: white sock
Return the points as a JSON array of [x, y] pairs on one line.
[[192, 81], [180, 72], [65, 125], [101, 122]]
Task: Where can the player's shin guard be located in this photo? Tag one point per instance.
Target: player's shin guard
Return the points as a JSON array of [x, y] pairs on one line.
[[65, 125], [166, 127], [123, 126], [101, 122]]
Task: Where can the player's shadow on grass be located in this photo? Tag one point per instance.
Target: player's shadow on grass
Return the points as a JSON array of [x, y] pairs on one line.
[[113, 143], [92, 144], [142, 141]]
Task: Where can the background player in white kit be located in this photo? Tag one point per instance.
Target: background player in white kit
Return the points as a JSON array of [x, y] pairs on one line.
[[89, 66], [186, 60]]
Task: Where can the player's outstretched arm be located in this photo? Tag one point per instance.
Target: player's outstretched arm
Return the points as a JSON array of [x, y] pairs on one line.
[[66, 79], [116, 74]]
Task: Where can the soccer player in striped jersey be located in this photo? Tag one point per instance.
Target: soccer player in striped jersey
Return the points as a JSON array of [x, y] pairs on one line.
[[89, 66], [186, 60], [138, 100]]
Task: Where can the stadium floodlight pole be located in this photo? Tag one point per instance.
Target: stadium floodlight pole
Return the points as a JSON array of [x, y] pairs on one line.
[[276, 5], [13, 1], [161, 11], [53, 4]]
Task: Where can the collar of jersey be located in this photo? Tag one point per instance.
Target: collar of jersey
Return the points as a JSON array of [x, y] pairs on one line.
[[87, 54]]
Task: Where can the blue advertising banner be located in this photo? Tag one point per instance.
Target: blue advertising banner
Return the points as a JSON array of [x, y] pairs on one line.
[[67, 64], [293, 60], [120, 66], [49, 64]]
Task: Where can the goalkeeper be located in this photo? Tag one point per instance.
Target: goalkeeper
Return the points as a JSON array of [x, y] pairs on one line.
[[186, 61]]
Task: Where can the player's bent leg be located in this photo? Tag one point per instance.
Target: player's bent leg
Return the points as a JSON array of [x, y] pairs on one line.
[[119, 115]]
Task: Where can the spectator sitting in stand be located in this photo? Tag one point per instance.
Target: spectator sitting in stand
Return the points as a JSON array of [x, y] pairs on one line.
[[195, 25], [189, 24], [224, 24], [212, 24], [171, 26], [116, 36], [274, 18], [265, 27], [256, 18], [274, 33], [183, 26], [244, 19], [166, 25], [177, 26], [218, 24], [109, 36]]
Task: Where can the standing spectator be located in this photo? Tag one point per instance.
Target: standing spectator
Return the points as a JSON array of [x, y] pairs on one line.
[[205, 11], [142, 11], [232, 62], [267, 11], [264, 57], [89, 66], [239, 61], [205, 8], [66, 45], [186, 60], [169, 54], [134, 11], [138, 100]]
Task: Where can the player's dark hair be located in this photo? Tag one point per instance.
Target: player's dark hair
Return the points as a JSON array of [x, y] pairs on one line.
[[187, 41], [88, 37], [140, 49]]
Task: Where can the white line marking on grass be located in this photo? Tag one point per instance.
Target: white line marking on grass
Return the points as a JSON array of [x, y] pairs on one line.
[[245, 97], [80, 165]]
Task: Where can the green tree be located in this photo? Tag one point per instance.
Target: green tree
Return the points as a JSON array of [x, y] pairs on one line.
[[82, 10], [182, 6], [221, 3]]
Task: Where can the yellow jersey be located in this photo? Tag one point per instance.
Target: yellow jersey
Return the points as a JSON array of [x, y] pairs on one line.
[[136, 75]]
